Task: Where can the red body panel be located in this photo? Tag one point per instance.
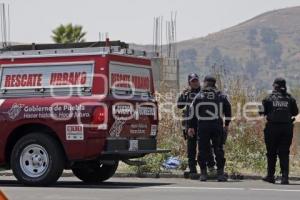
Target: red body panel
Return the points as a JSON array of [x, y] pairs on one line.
[[93, 143]]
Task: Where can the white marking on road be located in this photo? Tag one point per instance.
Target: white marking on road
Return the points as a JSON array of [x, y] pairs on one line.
[[225, 188], [275, 190], [196, 188]]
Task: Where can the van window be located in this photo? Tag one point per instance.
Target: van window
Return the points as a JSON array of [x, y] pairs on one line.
[[129, 79], [40, 79]]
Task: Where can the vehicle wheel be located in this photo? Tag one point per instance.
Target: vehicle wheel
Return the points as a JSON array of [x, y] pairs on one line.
[[94, 172], [37, 159]]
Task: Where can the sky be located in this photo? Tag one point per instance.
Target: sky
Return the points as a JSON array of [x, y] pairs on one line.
[[131, 20]]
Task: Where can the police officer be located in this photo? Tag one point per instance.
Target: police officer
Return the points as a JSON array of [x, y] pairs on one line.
[[280, 109], [184, 102], [209, 107]]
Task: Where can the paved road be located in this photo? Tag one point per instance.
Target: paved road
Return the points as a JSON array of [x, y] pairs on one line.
[[143, 189]]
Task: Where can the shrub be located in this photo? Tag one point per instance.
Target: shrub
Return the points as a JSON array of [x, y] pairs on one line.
[[245, 149]]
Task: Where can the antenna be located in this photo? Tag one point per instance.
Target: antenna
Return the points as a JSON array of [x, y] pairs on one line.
[[161, 35], [1, 16], [8, 21], [5, 25]]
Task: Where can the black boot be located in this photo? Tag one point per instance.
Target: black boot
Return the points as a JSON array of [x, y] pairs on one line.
[[193, 169], [285, 178], [284, 166], [269, 179], [203, 176], [191, 172], [186, 174], [221, 176]]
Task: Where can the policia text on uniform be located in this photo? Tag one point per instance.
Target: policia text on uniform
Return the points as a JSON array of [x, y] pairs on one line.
[[208, 114]]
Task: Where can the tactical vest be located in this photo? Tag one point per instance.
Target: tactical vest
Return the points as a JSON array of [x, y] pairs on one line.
[[209, 108], [191, 94], [280, 108]]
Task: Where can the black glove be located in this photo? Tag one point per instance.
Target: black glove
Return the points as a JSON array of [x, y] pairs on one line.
[[225, 135]]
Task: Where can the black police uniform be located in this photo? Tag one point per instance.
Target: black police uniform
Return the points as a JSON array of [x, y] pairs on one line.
[[184, 102], [210, 129], [279, 108]]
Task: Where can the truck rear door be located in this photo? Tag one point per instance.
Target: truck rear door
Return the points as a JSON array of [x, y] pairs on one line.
[[133, 109]]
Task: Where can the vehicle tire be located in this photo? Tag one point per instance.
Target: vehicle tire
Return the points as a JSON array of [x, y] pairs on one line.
[[37, 159], [93, 172]]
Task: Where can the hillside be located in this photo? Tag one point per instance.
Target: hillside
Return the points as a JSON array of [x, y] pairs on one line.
[[258, 50]]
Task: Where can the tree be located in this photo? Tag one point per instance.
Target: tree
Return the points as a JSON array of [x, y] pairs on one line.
[[274, 52], [68, 34], [268, 35], [230, 64], [252, 65], [188, 59], [215, 57], [252, 37], [272, 48]]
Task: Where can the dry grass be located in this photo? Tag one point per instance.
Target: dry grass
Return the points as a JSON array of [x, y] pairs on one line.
[[245, 148]]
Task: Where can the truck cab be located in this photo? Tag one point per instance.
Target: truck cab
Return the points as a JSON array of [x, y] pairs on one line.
[[83, 106]]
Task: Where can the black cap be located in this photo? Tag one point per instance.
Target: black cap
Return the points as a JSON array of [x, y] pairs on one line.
[[210, 78], [193, 76], [280, 82]]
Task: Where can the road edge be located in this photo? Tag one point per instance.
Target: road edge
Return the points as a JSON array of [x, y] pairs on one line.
[[161, 175]]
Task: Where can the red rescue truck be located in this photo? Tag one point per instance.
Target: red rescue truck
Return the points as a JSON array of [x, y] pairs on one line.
[[83, 107]]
